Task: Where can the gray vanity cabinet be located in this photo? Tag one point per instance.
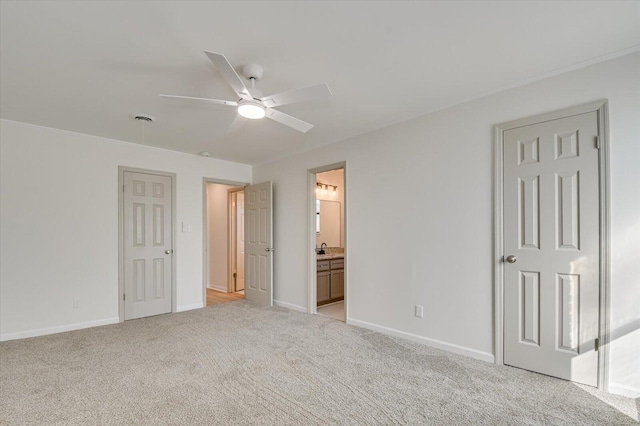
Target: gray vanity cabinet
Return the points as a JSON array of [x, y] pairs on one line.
[[330, 280], [323, 281], [337, 283]]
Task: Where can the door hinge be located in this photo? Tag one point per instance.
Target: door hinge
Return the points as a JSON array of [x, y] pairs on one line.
[[124, 296], [597, 345], [597, 142]]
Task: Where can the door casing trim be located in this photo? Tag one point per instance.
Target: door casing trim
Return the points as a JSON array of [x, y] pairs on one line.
[[121, 171], [311, 234], [602, 109]]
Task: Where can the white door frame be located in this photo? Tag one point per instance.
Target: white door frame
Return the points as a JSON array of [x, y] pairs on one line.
[[205, 231], [601, 107], [121, 171], [312, 307]]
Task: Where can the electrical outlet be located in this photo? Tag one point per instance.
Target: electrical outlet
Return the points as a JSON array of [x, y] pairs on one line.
[[76, 303], [419, 311]]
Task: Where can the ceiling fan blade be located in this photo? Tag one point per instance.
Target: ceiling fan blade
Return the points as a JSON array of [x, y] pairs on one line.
[[215, 101], [229, 74], [287, 120], [236, 125], [320, 91]]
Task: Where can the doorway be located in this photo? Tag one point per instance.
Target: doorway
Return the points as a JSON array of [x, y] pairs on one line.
[[223, 242], [551, 242], [327, 231]]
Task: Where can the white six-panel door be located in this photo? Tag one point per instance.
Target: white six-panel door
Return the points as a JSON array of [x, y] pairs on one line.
[[147, 245], [551, 230], [258, 243]]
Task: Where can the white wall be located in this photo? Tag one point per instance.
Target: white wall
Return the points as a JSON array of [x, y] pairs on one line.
[[218, 223], [422, 235], [59, 225]]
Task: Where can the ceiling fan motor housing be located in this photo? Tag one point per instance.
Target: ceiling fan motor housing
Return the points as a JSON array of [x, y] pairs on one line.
[[254, 71]]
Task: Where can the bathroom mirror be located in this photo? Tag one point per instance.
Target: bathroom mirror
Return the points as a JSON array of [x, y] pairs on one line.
[[328, 222]]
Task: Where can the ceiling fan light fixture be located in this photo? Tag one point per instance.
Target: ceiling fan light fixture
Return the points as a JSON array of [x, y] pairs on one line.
[[251, 109]]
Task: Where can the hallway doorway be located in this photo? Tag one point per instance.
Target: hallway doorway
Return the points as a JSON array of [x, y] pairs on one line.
[[223, 235]]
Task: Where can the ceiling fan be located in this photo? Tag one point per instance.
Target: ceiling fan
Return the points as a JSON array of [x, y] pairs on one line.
[[252, 104]]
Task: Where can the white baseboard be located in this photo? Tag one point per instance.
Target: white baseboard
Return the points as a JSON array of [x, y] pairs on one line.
[[222, 288], [290, 306], [57, 329], [624, 390], [329, 304], [189, 307], [472, 353]]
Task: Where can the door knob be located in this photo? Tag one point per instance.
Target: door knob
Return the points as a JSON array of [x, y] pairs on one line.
[[167, 252], [269, 249], [511, 259]]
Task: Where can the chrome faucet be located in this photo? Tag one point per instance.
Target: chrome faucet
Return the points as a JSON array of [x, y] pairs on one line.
[[322, 247]]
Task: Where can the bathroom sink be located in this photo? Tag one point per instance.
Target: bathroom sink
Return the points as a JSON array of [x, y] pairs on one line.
[[329, 256]]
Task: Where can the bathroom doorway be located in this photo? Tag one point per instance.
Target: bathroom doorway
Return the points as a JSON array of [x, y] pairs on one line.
[[223, 235], [328, 289]]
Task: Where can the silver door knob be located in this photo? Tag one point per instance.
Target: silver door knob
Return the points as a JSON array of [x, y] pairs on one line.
[[269, 249], [511, 259], [167, 252]]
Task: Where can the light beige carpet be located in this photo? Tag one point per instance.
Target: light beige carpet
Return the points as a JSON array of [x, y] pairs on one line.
[[240, 364]]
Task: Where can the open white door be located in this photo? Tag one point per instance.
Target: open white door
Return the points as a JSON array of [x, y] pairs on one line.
[[258, 245]]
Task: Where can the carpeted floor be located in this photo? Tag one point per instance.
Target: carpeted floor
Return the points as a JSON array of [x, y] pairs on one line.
[[240, 364]]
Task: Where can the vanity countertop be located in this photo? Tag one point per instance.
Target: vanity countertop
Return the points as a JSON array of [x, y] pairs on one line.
[[330, 256]]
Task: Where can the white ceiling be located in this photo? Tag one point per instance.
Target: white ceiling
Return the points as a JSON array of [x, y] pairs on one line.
[[88, 66]]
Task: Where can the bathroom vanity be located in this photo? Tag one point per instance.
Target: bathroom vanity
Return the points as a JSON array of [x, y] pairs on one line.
[[330, 278]]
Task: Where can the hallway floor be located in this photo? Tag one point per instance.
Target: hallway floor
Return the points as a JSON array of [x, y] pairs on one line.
[[215, 297]]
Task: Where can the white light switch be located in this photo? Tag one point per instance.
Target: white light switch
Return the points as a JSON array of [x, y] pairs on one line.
[[419, 311], [186, 227]]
